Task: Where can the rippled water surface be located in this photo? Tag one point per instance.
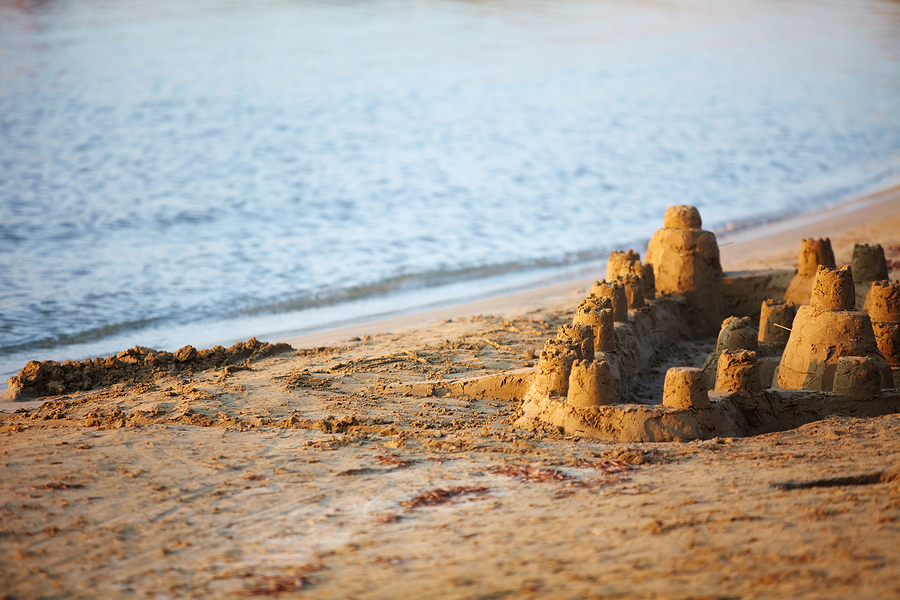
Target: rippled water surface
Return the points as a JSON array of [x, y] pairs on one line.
[[197, 172]]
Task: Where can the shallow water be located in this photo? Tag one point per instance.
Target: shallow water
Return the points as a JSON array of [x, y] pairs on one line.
[[175, 174]]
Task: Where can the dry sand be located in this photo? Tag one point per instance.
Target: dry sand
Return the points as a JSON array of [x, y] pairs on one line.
[[306, 474]]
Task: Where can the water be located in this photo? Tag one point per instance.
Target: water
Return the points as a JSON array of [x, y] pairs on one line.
[[201, 172]]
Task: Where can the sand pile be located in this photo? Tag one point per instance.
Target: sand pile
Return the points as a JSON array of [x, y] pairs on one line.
[[139, 364]]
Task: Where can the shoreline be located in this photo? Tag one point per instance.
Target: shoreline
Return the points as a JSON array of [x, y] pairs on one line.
[[771, 245]]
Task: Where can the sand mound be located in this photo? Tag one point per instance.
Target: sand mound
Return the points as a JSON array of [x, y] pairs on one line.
[[139, 364]]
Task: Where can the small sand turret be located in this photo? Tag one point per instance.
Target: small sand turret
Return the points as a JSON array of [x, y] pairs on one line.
[[887, 336], [813, 253], [634, 290], [685, 387], [883, 306], [776, 318], [869, 265], [554, 367], [859, 376], [685, 260], [883, 302], [738, 372], [580, 336], [623, 263], [833, 289], [591, 384], [736, 334], [601, 322], [617, 298], [826, 330]]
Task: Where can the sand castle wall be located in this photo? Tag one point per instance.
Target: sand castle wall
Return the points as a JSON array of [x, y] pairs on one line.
[[729, 415], [744, 291]]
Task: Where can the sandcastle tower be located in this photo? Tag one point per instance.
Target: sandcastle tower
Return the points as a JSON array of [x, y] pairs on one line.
[[737, 334], [738, 372], [883, 301], [685, 387], [597, 313], [634, 290], [813, 253], [826, 331], [591, 384], [617, 297], [580, 336], [623, 263], [685, 260], [883, 306], [554, 368], [626, 268], [776, 318], [869, 265], [567, 365]]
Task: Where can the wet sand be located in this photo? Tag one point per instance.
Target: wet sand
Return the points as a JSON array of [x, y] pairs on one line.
[[309, 473]]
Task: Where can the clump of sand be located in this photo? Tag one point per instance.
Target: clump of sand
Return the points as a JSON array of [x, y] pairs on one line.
[[50, 378]]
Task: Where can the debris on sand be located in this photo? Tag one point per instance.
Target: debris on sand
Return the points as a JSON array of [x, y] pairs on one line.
[[442, 496]]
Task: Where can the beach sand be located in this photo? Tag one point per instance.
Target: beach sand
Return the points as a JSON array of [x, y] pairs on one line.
[[305, 473]]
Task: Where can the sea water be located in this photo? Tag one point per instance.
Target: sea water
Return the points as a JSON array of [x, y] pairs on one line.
[[201, 172]]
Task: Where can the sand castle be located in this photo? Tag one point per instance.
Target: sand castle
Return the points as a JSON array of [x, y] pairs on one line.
[[799, 364], [780, 366]]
